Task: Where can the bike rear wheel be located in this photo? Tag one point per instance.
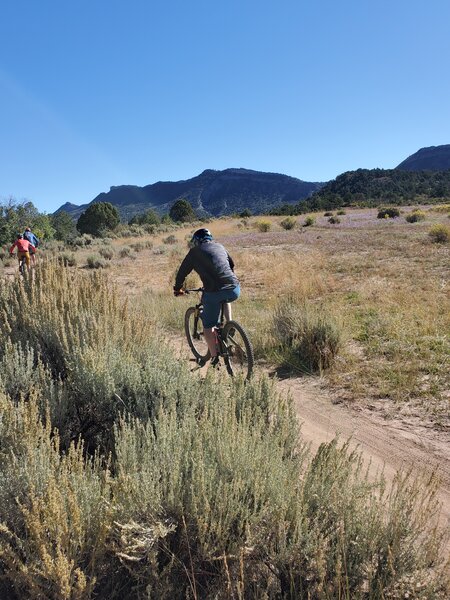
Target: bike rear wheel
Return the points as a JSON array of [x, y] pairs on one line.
[[238, 354], [193, 328]]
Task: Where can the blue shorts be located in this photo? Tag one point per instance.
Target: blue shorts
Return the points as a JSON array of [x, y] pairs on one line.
[[212, 302]]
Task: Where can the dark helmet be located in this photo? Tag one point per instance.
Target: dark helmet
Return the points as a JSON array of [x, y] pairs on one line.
[[19, 236], [200, 236], [27, 229]]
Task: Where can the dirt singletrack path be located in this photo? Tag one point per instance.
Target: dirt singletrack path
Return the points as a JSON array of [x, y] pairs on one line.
[[388, 445], [385, 445]]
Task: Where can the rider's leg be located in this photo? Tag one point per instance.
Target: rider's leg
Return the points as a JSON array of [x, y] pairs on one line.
[[212, 302], [211, 340], [227, 311]]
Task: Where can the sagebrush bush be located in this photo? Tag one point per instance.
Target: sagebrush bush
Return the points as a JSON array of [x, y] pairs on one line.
[[341, 212], [334, 220], [170, 239], [125, 252], [310, 336], [67, 259], [138, 246], [263, 226], [83, 240], [310, 220], [439, 233], [288, 223], [95, 261], [107, 253], [415, 216], [156, 483], [328, 214], [388, 213], [441, 208]]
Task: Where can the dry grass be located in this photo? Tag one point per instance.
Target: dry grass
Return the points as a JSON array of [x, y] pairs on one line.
[[159, 483], [384, 282]]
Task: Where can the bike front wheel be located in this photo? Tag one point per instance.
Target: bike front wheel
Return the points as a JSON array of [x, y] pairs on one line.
[[193, 328], [239, 358]]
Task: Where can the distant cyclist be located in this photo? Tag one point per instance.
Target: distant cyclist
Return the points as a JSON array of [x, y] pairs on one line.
[[23, 249], [216, 270], [33, 239]]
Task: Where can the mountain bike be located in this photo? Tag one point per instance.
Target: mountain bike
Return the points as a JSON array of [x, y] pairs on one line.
[[22, 265], [233, 344]]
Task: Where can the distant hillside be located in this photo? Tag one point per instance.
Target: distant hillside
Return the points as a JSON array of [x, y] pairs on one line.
[[434, 158], [371, 187], [212, 193]]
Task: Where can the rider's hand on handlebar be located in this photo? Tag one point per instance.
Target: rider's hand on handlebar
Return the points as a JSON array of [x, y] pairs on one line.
[[178, 292]]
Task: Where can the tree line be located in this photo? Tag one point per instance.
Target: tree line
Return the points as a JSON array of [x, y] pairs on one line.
[[96, 220], [364, 187]]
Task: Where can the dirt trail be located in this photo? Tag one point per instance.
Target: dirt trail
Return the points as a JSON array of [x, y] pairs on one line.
[[387, 444]]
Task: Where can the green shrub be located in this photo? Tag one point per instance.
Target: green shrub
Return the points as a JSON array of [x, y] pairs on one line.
[[309, 336], [439, 233], [97, 218], [310, 220], [415, 216], [162, 484], [341, 212], [170, 239], [125, 252], [263, 226], [106, 253], [182, 211], [388, 213], [94, 261], [288, 223], [334, 220], [67, 259], [138, 246], [442, 208], [328, 214]]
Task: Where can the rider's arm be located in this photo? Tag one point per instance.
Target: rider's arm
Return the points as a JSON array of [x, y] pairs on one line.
[[185, 268], [231, 261], [11, 250]]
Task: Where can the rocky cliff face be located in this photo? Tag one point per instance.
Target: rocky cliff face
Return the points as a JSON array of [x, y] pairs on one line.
[[433, 158], [212, 193]]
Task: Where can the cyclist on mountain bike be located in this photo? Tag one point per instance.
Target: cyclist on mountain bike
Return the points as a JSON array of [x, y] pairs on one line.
[[216, 270], [23, 249], [34, 240]]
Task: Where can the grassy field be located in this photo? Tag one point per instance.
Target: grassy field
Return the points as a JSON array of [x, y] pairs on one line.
[[123, 476], [380, 286]]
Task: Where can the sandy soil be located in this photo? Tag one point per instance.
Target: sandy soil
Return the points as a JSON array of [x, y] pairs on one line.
[[386, 445], [389, 445]]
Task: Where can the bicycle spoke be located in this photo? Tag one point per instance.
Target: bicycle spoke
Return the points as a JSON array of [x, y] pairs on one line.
[[239, 352]]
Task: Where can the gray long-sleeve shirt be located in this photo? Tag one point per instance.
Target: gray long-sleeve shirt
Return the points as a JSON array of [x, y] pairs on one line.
[[213, 264]]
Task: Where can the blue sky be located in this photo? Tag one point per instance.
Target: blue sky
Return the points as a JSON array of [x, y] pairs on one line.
[[95, 93]]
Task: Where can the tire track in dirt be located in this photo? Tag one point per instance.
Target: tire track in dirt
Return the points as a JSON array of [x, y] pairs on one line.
[[390, 446]]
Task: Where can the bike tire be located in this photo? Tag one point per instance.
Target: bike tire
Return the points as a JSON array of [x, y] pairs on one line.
[[238, 355], [193, 328]]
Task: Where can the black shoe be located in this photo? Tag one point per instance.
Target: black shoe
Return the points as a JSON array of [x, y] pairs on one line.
[[215, 362], [201, 362]]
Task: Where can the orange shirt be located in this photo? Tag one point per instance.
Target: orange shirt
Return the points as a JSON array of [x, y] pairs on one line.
[[22, 246]]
